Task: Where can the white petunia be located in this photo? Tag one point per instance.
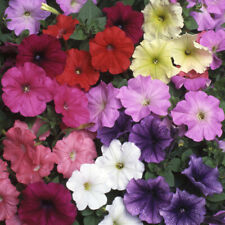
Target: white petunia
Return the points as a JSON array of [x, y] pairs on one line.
[[88, 186], [118, 215], [121, 163]]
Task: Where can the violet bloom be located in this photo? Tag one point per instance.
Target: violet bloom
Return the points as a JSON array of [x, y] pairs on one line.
[[203, 177], [125, 18], [201, 113], [215, 41], [25, 15], [152, 137], [146, 197], [215, 6], [121, 127], [103, 105], [184, 209], [72, 6], [143, 96], [217, 219]]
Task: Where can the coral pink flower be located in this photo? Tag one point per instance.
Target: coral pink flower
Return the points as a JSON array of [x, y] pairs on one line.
[[74, 150], [26, 89], [72, 103], [3, 170], [8, 199]]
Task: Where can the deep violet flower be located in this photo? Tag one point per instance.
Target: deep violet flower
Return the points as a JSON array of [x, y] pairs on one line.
[[121, 127], [152, 137], [203, 177], [201, 113], [26, 89], [185, 209], [217, 219], [125, 18], [25, 14], [45, 51], [146, 197], [47, 204]]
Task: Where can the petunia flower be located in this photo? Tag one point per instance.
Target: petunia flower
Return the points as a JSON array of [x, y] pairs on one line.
[[64, 27], [190, 55], [89, 187], [144, 198], [72, 6], [111, 50], [125, 18], [26, 89], [203, 177], [119, 215], [143, 96], [3, 170], [215, 6], [201, 113], [103, 105], [154, 58], [46, 204], [79, 70], [184, 209], [218, 218], [73, 151], [72, 103], [14, 220], [162, 19], [25, 15], [45, 51], [121, 163], [152, 137]]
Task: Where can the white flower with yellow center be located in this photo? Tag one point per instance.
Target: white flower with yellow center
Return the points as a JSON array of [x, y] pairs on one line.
[[121, 163], [89, 187], [190, 55], [153, 58], [162, 19], [118, 215]]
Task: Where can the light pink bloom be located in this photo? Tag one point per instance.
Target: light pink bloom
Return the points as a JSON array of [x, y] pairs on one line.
[[26, 89], [201, 113], [74, 150]]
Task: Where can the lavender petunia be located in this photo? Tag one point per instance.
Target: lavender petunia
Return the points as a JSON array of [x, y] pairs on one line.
[[25, 14], [121, 127], [203, 177], [184, 209], [146, 197], [217, 219], [152, 137]]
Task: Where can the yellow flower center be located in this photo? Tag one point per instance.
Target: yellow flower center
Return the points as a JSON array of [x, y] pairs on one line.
[[72, 155], [26, 88], [146, 102], [187, 52], [37, 168], [155, 61], [119, 165], [1, 198], [161, 18], [78, 71], [73, 2], [26, 13], [87, 186], [201, 116]]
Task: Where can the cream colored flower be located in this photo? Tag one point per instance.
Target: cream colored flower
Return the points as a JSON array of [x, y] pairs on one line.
[[154, 59], [162, 19], [189, 54]]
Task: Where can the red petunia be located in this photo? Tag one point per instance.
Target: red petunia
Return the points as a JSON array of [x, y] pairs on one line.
[[64, 27], [79, 70], [111, 50], [45, 51], [127, 19]]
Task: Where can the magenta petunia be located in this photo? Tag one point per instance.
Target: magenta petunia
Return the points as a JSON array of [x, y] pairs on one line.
[[26, 89], [103, 106], [47, 204], [125, 18], [25, 15], [143, 96], [202, 115], [72, 103], [45, 51]]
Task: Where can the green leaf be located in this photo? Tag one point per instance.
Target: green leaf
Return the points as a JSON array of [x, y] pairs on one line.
[[216, 197], [169, 177], [91, 220], [75, 223], [79, 34], [186, 154], [44, 128], [190, 23], [87, 212], [148, 175], [55, 179], [128, 2], [118, 82], [223, 25], [175, 164]]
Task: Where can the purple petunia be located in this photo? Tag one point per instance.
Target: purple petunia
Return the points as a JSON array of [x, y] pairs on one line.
[[146, 197], [143, 96], [152, 137], [203, 177], [184, 209], [25, 14]]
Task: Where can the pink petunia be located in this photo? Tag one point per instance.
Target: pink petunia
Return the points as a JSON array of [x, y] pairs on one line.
[[26, 89], [201, 113], [3, 170], [74, 150]]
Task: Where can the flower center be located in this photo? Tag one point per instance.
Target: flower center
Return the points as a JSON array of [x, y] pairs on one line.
[[73, 2], [78, 71], [182, 210], [187, 52], [115, 223], [37, 168], [26, 13], [155, 61], [110, 47], [119, 165], [65, 106], [161, 18], [47, 204], [201, 116], [26, 88], [87, 186], [72, 155], [146, 102], [37, 57], [214, 48], [1, 198]]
